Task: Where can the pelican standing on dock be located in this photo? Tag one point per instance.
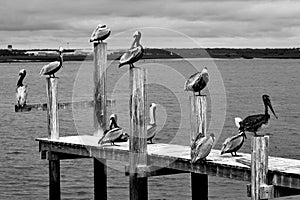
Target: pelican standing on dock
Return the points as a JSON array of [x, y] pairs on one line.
[[53, 67], [21, 90], [233, 144], [114, 134], [254, 123], [135, 52], [201, 147], [152, 127], [197, 81], [100, 33]]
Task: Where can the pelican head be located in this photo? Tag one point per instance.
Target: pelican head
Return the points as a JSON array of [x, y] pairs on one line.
[[136, 34], [22, 72], [152, 113], [204, 70], [60, 49], [113, 121], [267, 102]]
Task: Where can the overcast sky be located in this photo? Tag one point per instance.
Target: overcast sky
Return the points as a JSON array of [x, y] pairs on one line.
[[163, 23]]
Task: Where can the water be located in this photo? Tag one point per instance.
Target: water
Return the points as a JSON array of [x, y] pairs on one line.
[[25, 176]]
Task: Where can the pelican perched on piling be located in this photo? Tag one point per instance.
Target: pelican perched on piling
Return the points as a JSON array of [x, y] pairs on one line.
[[135, 52], [233, 144], [254, 123], [53, 67], [197, 81], [100, 33], [21, 90], [201, 147], [152, 127], [114, 134]]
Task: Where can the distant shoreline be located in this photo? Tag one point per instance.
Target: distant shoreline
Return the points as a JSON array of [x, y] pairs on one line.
[[152, 53]]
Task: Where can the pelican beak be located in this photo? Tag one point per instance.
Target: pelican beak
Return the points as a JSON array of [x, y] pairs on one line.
[[244, 134], [110, 123], [271, 108]]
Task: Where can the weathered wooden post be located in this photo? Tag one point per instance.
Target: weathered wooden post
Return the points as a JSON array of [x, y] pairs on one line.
[[53, 133], [138, 139], [52, 111], [100, 97], [198, 106], [100, 112], [259, 169]]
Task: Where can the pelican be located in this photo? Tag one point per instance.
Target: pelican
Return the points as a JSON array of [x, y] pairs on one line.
[[254, 123], [114, 134], [197, 81], [100, 33], [201, 147], [135, 52], [53, 67], [151, 128], [233, 144], [21, 90]]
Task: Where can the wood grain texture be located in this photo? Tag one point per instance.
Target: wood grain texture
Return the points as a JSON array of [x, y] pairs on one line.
[[282, 172], [138, 135], [259, 169], [52, 112], [100, 97], [198, 116]]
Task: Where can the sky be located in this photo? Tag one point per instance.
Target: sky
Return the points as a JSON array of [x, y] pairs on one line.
[[163, 23]]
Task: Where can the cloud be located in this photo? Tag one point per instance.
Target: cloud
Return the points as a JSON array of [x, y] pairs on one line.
[[73, 21]]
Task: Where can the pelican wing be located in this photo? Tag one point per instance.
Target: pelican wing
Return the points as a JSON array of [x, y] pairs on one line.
[[232, 144], [151, 131], [100, 34], [188, 86], [48, 69], [21, 95], [201, 148], [111, 135], [253, 121], [131, 55]]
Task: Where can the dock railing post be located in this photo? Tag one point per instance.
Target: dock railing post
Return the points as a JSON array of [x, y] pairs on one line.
[[52, 111], [100, 113], [198, 106], [100, 97], [138, 140], [259, 169]]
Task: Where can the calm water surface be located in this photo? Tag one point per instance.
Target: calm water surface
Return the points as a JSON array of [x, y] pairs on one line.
[[25, 176]]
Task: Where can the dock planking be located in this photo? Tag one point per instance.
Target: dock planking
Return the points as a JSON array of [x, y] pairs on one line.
[[282, 172]]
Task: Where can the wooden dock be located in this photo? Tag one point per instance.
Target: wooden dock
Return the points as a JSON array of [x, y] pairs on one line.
[[282, 172], [269, 177]]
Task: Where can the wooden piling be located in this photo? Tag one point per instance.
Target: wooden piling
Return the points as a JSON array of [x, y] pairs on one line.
[[198, 106], [100, 97], [52, 112], [198, 116], [138, 138], [54, 176], [100, 179], [259, 169]]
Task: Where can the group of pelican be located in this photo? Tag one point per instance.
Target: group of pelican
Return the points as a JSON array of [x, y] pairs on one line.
[[202, 146], [116, 134]]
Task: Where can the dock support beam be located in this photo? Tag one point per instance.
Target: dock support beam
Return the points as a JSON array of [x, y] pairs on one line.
[[259, 169], [54, 176], [100, 97], [52, 112], [100, 179], [138, 138], [198, 106]]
